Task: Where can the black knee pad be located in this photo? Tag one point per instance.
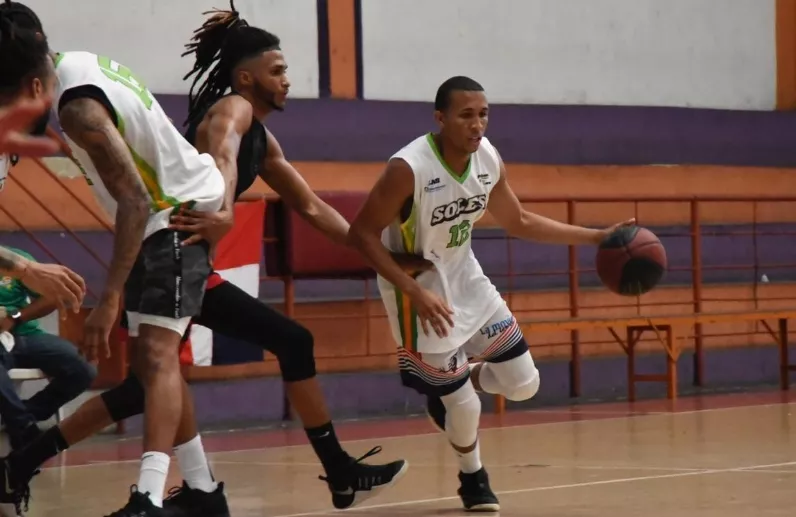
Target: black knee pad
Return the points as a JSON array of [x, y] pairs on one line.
[[296, 355], [126, 399]]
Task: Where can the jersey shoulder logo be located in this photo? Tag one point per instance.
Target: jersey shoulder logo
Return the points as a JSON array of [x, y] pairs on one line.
[[462, 206], [434, 184]]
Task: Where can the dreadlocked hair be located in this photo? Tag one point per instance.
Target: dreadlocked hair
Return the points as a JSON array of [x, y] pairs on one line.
[[24, 52], [21, 15], [223, 41]]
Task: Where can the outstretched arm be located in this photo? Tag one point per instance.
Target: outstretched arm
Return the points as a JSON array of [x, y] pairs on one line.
[[520, 223], [89, 125], [288, 183]]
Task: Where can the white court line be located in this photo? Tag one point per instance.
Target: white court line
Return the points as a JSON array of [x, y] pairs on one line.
[[547, 488], [771, 471], [491, 466], [91, 463]]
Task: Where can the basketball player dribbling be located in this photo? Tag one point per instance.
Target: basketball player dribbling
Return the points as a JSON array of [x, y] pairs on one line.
[[427, 202], [140, 169], [229, 128]]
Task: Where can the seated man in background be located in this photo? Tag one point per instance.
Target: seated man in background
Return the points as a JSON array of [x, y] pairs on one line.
[[26, 345]]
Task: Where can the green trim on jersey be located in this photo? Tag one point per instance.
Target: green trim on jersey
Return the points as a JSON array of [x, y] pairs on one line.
[[407, 321], [457, 177], [58, 58], [119, 73], [409, 230], [159, 199]]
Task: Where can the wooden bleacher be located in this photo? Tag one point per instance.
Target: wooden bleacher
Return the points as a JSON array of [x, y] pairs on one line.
[[627, 332]]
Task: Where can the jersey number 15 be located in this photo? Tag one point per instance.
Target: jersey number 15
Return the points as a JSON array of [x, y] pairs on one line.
[[122, 75]]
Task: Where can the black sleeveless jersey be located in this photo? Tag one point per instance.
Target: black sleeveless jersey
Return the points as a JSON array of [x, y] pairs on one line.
[[251, 153]]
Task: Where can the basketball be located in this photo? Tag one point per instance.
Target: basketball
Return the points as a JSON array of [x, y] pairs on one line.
[[631, 261]]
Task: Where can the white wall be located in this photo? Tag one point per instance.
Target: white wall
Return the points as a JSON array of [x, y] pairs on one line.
[[148, 36], [695, 53]]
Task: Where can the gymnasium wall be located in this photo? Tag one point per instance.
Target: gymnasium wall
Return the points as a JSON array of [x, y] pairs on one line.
[[679, 53], [576, 82], [621, 98], [675, 53]]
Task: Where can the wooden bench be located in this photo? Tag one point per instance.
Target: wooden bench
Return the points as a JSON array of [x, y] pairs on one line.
[[627, 332]]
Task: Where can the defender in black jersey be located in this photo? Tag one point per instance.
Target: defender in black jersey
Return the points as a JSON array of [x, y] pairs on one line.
[[248, 61]]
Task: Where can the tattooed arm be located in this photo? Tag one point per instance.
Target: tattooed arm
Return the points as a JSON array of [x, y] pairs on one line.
[[89, 125], [65, 287], [11, 264]]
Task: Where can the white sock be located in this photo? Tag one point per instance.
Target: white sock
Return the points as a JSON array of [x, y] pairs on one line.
[[193, 465], [470, 462], [154, 469]]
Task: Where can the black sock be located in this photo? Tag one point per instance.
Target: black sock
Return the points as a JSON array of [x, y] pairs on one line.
[[24, 462], [328, 448]]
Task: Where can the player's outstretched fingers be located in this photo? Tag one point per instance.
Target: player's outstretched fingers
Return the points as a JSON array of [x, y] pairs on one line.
[[439, 327]]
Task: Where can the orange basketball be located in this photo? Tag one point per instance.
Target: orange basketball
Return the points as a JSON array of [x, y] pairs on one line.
[[631, 261]]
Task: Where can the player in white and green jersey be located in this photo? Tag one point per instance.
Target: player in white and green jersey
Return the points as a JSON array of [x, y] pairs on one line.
[[427, 202], [141, 170]]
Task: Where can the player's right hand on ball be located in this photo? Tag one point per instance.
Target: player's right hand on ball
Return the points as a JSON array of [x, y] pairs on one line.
[[432, 310], [55, 282]]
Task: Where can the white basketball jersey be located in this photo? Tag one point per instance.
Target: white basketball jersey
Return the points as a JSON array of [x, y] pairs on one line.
[[445, 208], [171, 169]]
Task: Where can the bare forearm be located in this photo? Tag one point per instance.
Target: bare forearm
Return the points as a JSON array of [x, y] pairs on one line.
[[230, 184], [39, 308], [131, 220], [538, 228], [11, 264], [328, 221], [381, 259]]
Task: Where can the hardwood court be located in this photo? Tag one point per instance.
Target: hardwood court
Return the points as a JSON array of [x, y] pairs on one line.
[[728, 456]]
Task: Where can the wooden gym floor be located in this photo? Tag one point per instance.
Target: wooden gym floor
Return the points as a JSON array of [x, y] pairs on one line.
[[727, 456]]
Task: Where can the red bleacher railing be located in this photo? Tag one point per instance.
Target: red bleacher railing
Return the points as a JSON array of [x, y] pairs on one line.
[[693, 223], [578, 299]]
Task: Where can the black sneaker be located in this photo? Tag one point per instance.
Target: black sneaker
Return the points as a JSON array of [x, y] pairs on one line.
[[139, 505], [436, 411], [12, 490], [358, 481], [185, 501], [476, 494], [24, 437]]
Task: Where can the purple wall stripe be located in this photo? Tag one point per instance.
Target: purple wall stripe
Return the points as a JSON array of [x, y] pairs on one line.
[[361, 131]]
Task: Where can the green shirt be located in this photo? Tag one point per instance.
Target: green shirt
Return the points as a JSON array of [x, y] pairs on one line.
[[14, 296]]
